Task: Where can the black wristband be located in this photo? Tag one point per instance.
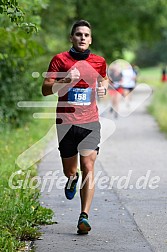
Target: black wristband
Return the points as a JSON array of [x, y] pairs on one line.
[[105, 91]]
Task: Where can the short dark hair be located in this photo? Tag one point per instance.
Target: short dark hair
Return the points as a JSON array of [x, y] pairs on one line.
[[79, 23]]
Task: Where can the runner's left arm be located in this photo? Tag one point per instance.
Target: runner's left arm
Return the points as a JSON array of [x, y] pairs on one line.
[[102, 86]]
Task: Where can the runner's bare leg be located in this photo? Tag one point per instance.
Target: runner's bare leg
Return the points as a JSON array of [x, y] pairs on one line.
[[70, 166], [87, 168], [87, 190]]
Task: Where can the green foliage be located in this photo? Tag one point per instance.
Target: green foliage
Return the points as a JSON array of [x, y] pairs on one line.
[[11, 8], [20, 211], [119, 25], [14, 10], [60, 16], [151, 75], [20, 216], [158, 108], [17, 52], [151, 55], [15, 84]]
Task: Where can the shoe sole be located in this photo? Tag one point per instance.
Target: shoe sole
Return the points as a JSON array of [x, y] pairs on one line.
[[80, 232], [83, 228]]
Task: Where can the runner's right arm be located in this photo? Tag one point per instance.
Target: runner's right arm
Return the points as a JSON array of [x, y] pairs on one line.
[[51, 86]]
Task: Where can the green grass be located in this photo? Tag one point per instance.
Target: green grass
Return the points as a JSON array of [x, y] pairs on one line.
[[151, 76], [158, 107], [20, 210]]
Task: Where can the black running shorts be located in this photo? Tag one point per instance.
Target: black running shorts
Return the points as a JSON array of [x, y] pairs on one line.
[[74, 138]]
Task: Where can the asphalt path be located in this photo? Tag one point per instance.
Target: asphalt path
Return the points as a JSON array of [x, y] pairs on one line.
[[128, 212]]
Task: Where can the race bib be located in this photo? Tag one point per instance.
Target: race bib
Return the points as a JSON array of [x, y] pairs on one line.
[[79, 96]]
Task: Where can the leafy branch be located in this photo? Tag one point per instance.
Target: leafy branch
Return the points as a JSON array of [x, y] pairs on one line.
[[13, 11]]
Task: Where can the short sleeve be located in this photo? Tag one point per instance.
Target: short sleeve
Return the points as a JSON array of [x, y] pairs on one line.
[[103, 69], [54, 68]]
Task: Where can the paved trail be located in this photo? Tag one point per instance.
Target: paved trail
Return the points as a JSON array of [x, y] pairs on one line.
[[125, 217]]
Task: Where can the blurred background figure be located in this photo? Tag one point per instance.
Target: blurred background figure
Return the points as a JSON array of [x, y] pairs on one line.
[[115, 89], [164, 74], [129, 77]]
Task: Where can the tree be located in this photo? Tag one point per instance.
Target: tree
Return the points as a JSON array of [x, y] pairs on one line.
[[17, 51], [122, 24], [12, 9]]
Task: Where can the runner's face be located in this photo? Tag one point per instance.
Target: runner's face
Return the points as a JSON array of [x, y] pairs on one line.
[[81, 39]]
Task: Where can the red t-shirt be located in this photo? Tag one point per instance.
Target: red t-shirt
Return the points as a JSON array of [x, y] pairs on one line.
[[77, 100]]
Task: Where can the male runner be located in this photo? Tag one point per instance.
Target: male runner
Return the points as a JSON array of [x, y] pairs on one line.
[[74, 75]]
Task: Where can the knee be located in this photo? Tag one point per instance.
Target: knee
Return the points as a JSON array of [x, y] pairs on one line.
[[87, 168], [69, 173]]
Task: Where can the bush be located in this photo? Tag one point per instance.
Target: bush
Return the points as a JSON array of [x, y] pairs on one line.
[[158, 107], [20, 211]]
